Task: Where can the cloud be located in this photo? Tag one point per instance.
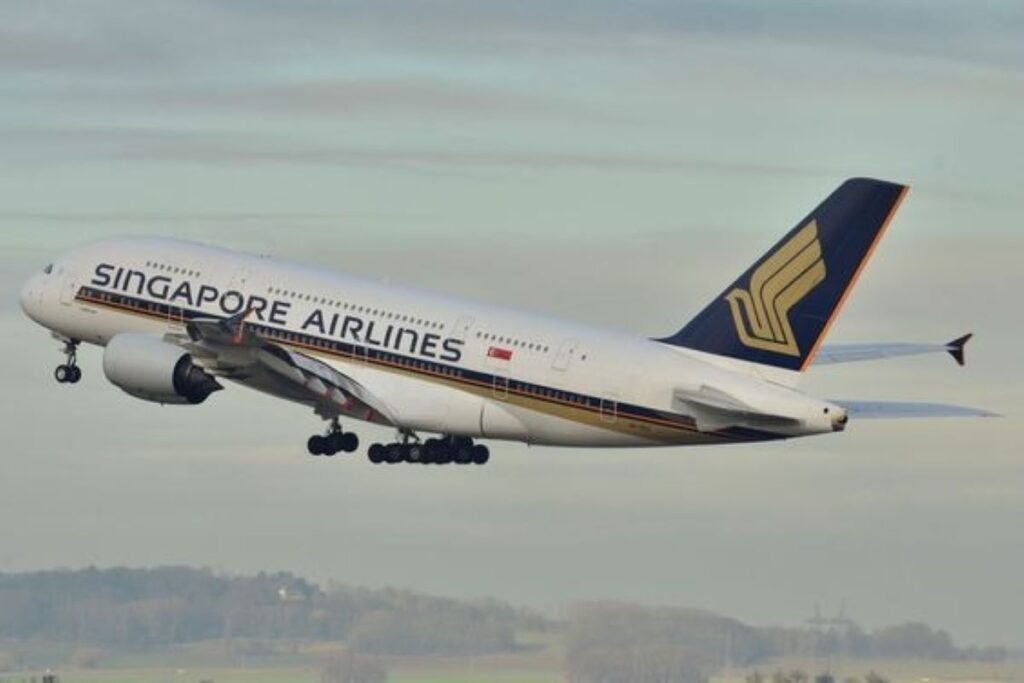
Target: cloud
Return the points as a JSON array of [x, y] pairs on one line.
[[334, 97], [209, 36], [231, 148]]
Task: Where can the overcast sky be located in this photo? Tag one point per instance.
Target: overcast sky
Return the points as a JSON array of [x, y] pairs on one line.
[[611, 162]]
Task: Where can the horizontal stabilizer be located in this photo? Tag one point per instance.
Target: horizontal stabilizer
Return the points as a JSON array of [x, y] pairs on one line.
[[873, 410], [851, 353], [713, 409]]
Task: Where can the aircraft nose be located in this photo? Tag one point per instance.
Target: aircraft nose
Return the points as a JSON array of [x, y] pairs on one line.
[[29, 297], [839, 419]]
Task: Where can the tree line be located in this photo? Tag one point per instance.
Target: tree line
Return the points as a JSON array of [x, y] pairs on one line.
[[143, 608], [605, 642], [609, 642]]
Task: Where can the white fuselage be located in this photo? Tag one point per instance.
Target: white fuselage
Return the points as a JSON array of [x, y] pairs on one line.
[[440, 364]]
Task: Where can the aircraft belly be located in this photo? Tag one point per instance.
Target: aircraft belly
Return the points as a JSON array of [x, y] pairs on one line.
[[519, 423], [95, 326], [433, 407]]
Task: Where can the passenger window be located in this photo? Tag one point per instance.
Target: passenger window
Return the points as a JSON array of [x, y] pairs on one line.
[[48, 269]]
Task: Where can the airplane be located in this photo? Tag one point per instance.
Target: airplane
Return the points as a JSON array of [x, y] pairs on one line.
[[178, 320]]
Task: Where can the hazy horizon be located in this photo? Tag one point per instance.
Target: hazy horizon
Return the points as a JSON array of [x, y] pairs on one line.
[[612, 163]]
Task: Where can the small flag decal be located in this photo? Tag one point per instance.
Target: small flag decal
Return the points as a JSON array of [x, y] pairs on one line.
[[499, 353]]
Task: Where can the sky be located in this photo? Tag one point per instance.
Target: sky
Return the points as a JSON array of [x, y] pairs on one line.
[[615, 163]]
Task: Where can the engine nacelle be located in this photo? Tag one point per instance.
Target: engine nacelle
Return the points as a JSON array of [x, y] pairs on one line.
[[149, 368]]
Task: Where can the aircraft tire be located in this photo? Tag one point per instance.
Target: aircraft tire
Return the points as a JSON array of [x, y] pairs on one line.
[[463, 454], [348, 442], [394, 453], [413, 453], [431, 450], [316, 445], [480, 454]]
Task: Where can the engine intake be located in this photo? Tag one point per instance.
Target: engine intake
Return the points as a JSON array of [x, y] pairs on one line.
[[149, 368]]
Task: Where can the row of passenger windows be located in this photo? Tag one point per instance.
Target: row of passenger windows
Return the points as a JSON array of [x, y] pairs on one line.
[[173, 269], [512, 341], [557, 395], [344, 305]]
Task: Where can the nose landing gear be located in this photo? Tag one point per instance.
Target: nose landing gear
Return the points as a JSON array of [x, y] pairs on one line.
[[69, 372]]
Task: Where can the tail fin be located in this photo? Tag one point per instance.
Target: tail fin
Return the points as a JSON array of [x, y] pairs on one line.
[[778, 312]]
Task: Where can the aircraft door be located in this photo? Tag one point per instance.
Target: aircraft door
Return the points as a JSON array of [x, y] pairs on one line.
[[499, 386], [68, 283], [359, 352], [609, 408], [462, 327], [566, 353], [238, 284]]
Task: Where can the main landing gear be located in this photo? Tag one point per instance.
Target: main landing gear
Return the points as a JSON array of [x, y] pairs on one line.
[[69, 372], [334, 441], [450, 449]]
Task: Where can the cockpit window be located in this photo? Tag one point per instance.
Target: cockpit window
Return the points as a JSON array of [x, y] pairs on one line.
[[48, 269]]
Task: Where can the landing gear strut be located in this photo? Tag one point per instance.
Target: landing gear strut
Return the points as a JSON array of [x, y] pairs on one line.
[[334, 441], [450, 449], [69, 372]]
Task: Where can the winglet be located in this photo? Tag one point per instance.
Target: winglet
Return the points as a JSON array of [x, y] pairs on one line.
[[955, 348]]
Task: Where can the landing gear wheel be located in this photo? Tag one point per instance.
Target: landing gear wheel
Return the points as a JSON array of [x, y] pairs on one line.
[[480, 455], [463, 454], [348, 442], [376, 453], [316, 445], [62, 373], [442, 454], [393, 453], [69, 372], [413, 452], [333, 442]]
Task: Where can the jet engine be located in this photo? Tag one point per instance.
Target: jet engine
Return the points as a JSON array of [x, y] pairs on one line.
[[149, 368]]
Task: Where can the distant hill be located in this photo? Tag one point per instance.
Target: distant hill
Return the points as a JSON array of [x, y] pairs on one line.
[[122, 608], [140, 608], [620, 641]]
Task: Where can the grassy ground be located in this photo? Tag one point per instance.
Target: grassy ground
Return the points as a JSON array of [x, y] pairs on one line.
[[895, 670], [292, 676], [540, 665]]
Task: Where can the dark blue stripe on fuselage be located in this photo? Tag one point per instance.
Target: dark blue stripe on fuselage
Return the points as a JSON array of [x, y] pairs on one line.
[[419, 366]]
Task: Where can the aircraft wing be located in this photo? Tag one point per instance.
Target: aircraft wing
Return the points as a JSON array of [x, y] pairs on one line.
[[867, 410], [229, 348], [849, 353]]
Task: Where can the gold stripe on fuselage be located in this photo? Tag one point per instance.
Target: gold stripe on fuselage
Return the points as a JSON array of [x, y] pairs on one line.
[[640, 426]]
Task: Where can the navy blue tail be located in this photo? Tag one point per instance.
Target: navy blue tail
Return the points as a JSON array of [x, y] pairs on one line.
[[778, 311]]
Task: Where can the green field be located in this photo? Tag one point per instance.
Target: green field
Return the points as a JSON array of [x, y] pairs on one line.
[[241, 675], [538, 668], [896, 670], [541, 661]]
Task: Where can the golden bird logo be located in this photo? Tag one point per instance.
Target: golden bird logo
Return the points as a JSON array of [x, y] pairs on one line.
[[761, 312]]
